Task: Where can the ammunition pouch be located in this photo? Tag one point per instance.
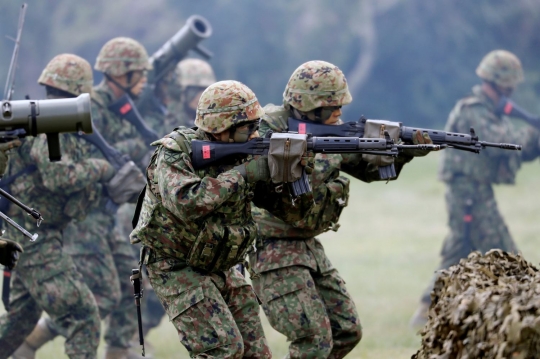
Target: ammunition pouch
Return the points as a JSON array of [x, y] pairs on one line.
[[218, 247], [285, 156], [376, 129], [338, 192]]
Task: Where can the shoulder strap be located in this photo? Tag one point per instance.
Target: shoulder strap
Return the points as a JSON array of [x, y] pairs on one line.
[[138, 208]]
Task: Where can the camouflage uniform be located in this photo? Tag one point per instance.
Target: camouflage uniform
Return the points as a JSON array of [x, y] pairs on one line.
[[190, 77], [303, 295], [471, 177], [9, 250], [197, 225], [46, 278], [117, 57]]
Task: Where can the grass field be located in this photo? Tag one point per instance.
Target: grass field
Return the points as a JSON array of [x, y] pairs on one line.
[[387, 249]]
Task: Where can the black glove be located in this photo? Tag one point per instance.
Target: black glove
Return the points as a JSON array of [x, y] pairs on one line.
[[9, 252]]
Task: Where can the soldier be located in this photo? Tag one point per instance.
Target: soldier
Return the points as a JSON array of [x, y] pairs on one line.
[[195, 225], [9, 250], [124, 63], [473, 217], [191, 77], [302, 294], [46, 277], [87, 240]]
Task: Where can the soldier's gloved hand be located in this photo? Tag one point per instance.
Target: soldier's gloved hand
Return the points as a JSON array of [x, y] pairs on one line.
[[255, 169], [105, 169], [308, 162], [126, 183], [4, 147], [419, 138], [9, 252]]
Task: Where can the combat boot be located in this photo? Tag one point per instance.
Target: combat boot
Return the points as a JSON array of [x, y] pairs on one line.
[[39, 336], [420, 317], [121, 353]]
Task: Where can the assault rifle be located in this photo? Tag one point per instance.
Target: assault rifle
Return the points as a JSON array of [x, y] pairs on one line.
[[460, 141], [196, 29], [205, 153], [510, 108]]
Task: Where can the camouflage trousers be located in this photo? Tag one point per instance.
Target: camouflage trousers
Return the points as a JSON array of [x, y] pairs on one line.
[[487, 229], [305, 298], [216, 314], [105, 261], [46, 280]]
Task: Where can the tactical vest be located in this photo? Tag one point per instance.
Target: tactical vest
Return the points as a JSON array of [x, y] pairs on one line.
[[330, 191], [215, 242]]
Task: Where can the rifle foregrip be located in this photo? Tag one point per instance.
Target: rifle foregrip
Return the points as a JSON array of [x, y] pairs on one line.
[[438, 137]]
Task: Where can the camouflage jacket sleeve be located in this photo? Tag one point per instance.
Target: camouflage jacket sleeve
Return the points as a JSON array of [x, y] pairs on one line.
[[73, 173], [183, 192]]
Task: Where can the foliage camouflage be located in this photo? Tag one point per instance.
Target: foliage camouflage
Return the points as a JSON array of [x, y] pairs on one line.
[[487, 306], [225, 104], [122, 55], [501, 67], [69, 73], [316, 84]]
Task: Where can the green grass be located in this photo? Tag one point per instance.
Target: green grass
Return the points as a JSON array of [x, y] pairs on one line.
[[387, 249]]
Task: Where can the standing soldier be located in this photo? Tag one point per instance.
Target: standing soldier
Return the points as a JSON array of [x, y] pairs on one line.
[[473, 217], [124, 63], [187, 82], [195, 225], [46, 278], [87, 241], [302, 294], [191, 77]]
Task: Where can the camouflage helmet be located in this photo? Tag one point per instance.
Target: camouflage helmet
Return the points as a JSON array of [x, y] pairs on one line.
[[122, 55], [226, 104], [501, 67], [194, 72], [69, 73], [316, 84]]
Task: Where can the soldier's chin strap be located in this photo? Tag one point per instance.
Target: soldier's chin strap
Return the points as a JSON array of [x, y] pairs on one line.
[[124, 88]]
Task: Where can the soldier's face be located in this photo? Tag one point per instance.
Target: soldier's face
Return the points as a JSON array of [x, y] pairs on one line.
[[334, 117], [139, 79]]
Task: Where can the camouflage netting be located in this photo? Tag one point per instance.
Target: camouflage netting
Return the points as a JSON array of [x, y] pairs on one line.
[[484, 307]]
